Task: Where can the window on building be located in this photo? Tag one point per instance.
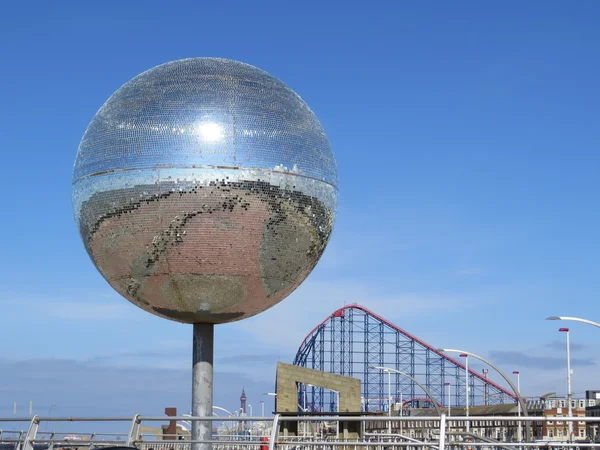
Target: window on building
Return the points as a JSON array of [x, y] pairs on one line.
[[581, 432], [573, 403], [550, 433], [592, 402], [560, 433], [550, 422], [551, 404], [582, 403], [561, 404]]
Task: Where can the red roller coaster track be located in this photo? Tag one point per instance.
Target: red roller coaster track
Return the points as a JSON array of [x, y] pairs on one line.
[[341, 313]]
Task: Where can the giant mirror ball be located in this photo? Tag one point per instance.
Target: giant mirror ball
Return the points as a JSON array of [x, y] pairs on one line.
[[205, 190]]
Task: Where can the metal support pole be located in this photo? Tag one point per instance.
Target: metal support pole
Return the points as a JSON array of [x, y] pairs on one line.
[[134, 431], [337, 427], [449, 401], [401, 412], [304, 411], [31, 434], [389, 401], [442, 432], [569, 392], [202, 383], [520, 435], [274, 432], [467, 391], [503, 375], [427, 393]]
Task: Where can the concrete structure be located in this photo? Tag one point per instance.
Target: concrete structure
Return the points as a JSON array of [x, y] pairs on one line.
[[290, 376]]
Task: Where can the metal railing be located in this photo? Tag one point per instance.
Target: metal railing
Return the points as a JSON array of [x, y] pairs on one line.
[[312, 433]]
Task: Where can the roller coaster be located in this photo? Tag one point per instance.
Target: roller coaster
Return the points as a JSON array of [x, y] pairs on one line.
[[353, 341]]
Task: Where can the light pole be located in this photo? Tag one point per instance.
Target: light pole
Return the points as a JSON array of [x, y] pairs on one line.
[[250, 408], [574, 319], [502, 374], [389, 398], [49, 414], [337, 423], [447, 384], [389, 374], [304, 403], [518, 374], [221, 409], [569, 393], [401, 411], [271, 394], [466, 356], [427, 393], [262, 408]]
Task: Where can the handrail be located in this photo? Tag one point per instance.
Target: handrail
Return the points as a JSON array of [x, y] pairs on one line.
[[433, 433]]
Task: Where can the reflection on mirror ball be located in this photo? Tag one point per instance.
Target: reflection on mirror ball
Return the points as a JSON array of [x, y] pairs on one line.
[[205, 190]]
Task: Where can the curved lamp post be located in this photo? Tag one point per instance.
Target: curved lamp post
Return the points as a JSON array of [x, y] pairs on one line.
[[433, 401], [510, 383], [574, 319], [223, 409], [569, 374], [518, 374]]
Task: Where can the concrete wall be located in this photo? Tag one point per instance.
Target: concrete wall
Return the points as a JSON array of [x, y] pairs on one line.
[[288, 377]]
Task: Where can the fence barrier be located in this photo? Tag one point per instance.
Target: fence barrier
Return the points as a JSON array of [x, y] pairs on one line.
[[310, 433]]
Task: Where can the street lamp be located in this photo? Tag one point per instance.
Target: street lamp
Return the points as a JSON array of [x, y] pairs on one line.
[[304, 409], [222, 409], [502, 374], [337, 423], [401, 409], [518, 374], [574, 319], [447, 384], [271, 394], [389, 374], [466, 356], [262, 408], [569, 393], [427, 393]]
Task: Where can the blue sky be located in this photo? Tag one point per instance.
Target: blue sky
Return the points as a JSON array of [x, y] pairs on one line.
[[466, 136]]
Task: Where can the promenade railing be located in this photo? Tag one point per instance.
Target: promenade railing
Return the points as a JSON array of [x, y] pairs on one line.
[[304, 433]]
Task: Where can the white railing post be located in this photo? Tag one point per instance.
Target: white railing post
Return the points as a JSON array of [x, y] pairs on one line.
[[442, 432], [134, 431], [31, 434], [274, 432]]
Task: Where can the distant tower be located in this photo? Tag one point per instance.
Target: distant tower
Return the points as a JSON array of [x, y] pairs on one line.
[[243, 401]]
